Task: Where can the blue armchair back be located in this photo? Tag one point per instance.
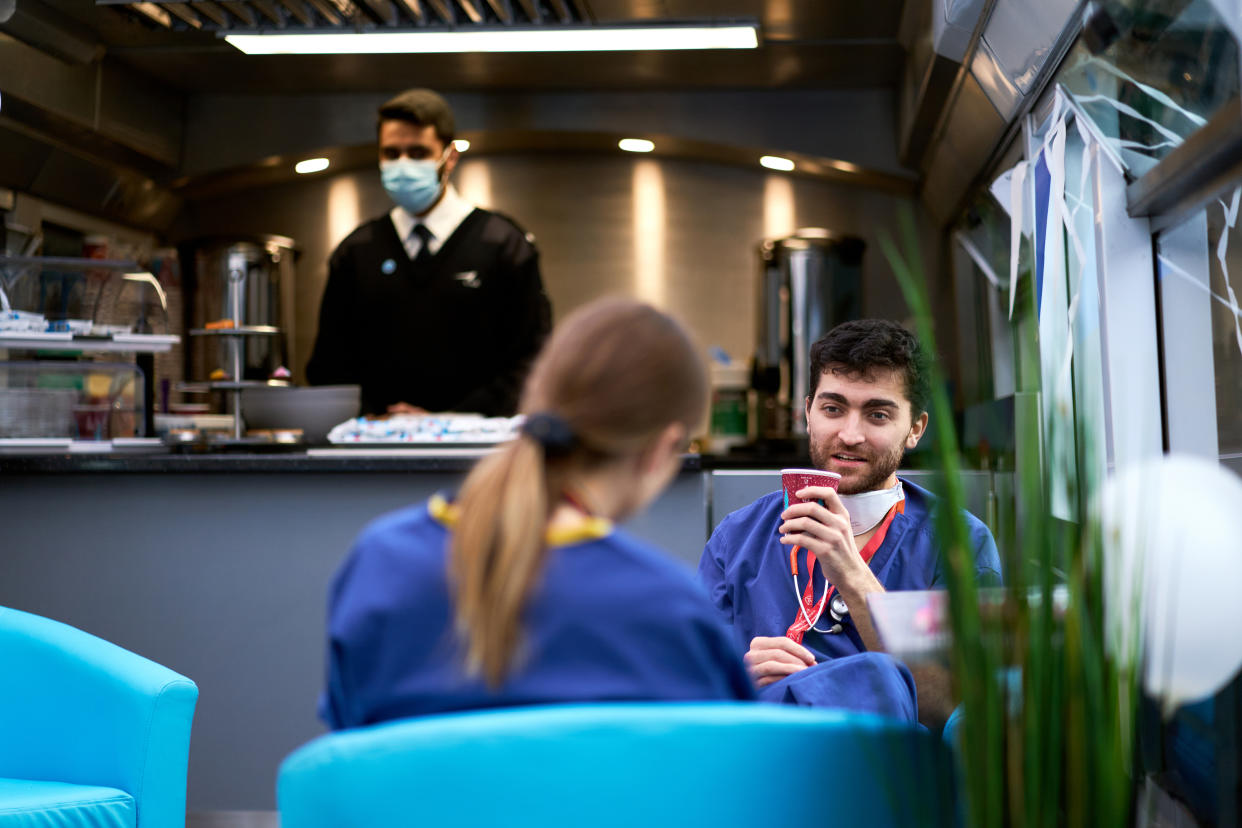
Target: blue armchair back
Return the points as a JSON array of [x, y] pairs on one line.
[[640, 765], [77, 709]]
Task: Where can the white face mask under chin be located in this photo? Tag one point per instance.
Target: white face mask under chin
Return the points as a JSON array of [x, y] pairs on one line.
[[869, 508]]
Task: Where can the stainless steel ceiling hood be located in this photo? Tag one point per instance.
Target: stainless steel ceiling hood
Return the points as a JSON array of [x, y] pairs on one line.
[[1011, 53], [353, 15], [56, 174], [33, 23], [96, 137]]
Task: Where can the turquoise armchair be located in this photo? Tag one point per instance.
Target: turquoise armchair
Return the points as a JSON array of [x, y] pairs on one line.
[[639, 765], [90, 734]]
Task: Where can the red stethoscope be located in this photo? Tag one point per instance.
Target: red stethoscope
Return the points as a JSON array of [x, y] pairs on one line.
[[837, 609]]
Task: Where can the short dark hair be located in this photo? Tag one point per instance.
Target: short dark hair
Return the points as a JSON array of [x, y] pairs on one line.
[[861, 346], [420, 107]]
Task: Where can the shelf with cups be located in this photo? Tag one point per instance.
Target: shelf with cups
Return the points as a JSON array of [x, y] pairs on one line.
[[105, 289]]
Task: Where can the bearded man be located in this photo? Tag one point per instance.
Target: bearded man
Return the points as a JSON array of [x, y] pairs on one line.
[[805, 627]]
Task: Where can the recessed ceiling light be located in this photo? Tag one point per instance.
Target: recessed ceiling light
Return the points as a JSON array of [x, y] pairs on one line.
[[775, 162], [461, 144], [636, 145], [560, 39], [310, 165]]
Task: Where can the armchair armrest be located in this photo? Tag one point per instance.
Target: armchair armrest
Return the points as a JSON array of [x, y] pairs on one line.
[[75, 708]]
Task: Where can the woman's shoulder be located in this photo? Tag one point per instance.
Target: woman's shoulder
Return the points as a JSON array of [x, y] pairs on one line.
[[396, 562], [407, 520], [401, 537], [634, 565]]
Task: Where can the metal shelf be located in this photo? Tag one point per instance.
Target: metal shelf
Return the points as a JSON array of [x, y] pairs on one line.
[[69, 263], [66, 341], [67, 445], [229, 385], [251, 330]]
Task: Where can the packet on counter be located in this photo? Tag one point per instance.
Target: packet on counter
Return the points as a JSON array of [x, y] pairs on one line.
[[22, 321], [427, 428]]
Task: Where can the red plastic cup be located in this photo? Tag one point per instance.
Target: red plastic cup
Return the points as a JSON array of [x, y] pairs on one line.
[[795, 480]]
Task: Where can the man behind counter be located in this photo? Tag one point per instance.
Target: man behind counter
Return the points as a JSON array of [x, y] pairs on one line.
[[438, 305], [868, 406]]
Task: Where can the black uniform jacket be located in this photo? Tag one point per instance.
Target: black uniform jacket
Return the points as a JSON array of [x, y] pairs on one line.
[[455, 332]]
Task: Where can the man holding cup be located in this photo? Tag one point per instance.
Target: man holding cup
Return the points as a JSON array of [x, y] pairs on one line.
[[792, 571]]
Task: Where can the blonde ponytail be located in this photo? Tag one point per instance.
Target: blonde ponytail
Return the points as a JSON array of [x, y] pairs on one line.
[[496, 554], [613, 376]]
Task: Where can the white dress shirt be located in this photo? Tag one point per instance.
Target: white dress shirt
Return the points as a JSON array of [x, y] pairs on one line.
[[442, 220]]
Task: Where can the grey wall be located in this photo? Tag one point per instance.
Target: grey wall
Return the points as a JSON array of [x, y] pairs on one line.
[[855, 126], [681, 234]]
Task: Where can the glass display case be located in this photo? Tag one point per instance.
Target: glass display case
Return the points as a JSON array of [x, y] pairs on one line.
[[75, 400], [128, 313]]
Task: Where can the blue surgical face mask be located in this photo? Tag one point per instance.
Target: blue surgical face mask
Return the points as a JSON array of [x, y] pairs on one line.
[[415, 185]]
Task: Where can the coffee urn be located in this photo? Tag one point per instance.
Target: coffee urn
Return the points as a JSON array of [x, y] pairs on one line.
[[808, 282], [246, 279]]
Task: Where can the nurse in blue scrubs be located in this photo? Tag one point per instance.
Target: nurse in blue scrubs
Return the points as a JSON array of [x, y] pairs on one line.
[[521, 590]]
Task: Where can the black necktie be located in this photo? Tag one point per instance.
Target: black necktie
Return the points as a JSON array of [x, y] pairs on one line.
[[424, 252]]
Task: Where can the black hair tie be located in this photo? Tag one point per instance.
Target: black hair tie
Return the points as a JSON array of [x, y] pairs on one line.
[[550, 431]]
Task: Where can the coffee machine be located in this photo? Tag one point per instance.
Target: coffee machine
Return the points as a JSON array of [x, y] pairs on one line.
[[808, 282]]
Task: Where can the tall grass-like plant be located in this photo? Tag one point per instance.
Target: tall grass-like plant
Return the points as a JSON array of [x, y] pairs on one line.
[[1047, 738]]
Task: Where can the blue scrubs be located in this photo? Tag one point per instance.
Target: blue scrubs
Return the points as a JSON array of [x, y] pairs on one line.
[[612, 618], [746, 571]]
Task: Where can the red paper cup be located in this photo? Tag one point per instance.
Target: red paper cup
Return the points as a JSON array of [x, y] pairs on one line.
[[795, 480]]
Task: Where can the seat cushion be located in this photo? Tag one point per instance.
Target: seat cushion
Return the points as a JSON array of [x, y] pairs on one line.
[[27, 803]]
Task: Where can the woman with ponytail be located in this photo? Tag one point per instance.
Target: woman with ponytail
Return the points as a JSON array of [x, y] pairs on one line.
[[520, 590]]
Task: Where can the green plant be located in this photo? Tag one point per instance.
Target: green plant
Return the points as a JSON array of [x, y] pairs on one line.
[[1049, 708]]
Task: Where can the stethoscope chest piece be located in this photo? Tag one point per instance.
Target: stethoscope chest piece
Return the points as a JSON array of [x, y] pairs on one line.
[[837, 608]]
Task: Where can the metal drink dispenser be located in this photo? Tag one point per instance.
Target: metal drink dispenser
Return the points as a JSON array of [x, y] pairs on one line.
[[808, 282], [249, 280]]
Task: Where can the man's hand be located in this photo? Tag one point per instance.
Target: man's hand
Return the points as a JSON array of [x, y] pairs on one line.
[[826, 531], [771, 659], [405, 408]]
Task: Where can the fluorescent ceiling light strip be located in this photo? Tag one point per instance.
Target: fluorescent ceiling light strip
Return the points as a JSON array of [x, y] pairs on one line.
[[577, 39]]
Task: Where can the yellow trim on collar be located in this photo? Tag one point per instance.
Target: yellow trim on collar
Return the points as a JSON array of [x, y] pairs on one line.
[[442, 511], [591, 528]]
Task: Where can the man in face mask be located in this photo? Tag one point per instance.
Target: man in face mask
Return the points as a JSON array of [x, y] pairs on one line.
[[803, 619], [437, 305]]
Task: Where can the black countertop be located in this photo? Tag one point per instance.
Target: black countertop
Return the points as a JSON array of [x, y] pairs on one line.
[[316, 460]]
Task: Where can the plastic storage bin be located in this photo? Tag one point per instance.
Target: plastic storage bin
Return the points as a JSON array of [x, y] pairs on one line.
[[78, 400]]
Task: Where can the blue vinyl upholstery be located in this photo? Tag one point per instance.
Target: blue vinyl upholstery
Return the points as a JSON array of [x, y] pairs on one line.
[[643, 765], [90, 733]]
